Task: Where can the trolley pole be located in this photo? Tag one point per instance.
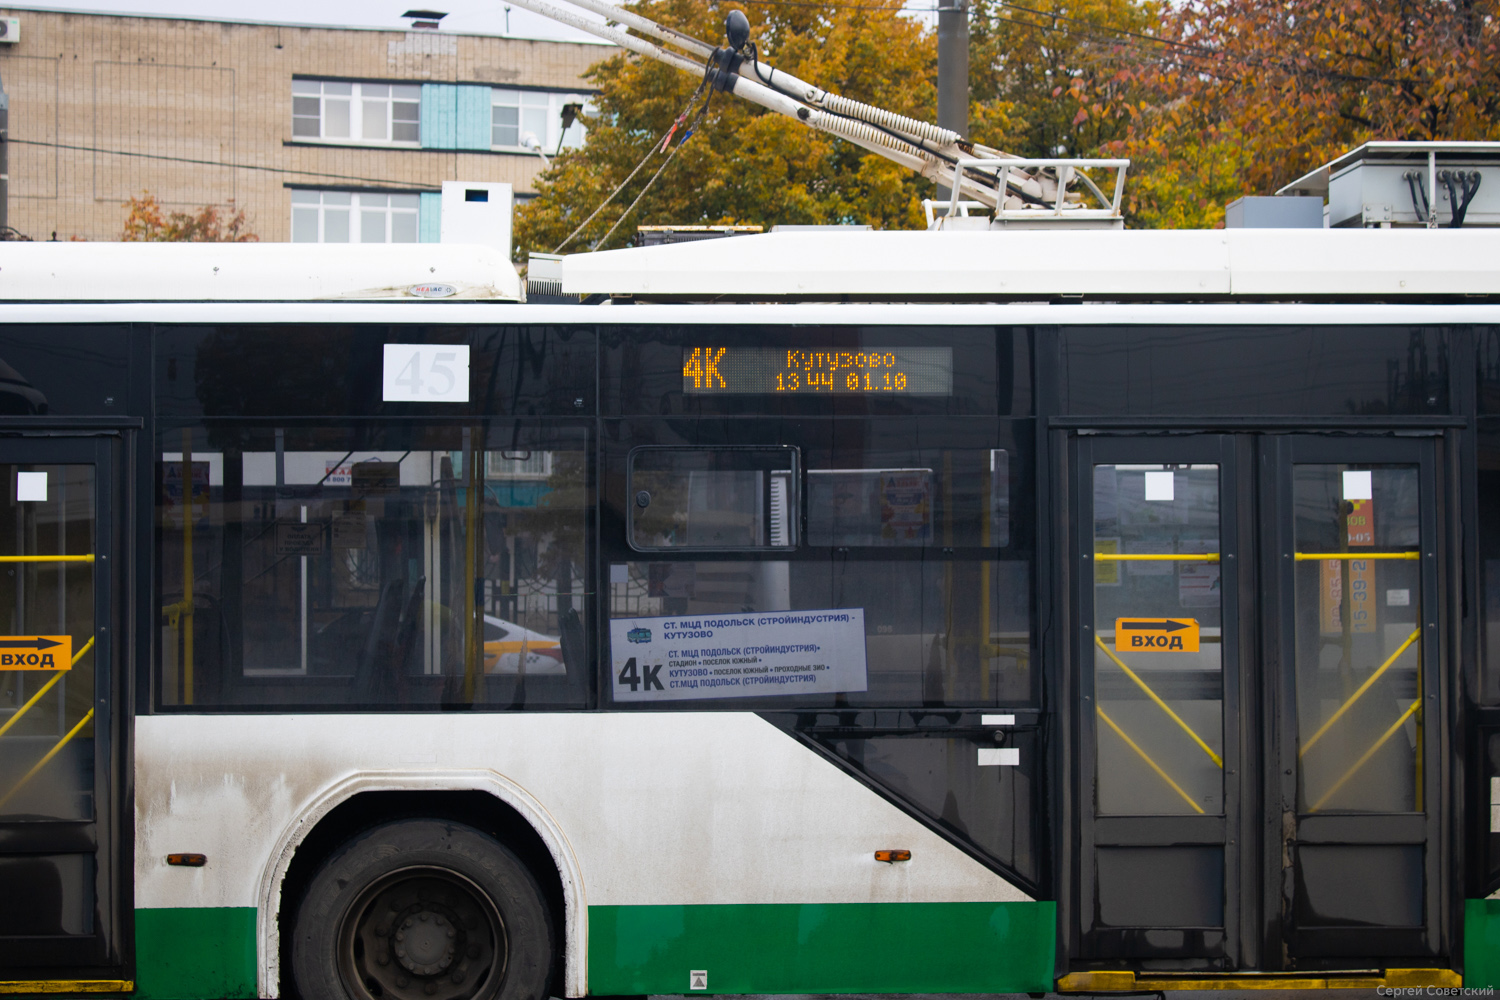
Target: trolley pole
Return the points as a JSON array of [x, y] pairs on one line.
[[953, 70]]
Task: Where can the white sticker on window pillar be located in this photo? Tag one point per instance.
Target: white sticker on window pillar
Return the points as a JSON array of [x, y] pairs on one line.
[[31, 486], [1357, 486], [1159, 486], [426, 373], [999, 756]]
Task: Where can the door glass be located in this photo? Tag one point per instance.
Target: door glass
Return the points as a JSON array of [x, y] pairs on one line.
[[1158, 668], [47, 686], [1358, 662]]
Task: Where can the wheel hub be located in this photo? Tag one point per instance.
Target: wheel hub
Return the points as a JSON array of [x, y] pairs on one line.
[[423, 934]]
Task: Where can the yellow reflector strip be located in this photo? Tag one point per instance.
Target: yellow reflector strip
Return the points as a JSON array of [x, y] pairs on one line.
[[69, 986], [1126, 982]]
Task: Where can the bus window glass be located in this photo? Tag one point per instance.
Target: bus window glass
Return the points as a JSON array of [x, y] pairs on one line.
[[721, 499], [912, 587], [1489, 559], [370, 567], [1254, 370]]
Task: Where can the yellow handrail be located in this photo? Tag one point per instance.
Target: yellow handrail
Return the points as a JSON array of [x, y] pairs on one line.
[[47, 559], [1159, 703], [44, 689], [1157, 556], [1305, 556], [43, 762], [1368, 754], [1149, 762], [1358, 693]]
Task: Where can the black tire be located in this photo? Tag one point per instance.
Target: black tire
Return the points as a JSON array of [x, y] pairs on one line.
[[422, 910]]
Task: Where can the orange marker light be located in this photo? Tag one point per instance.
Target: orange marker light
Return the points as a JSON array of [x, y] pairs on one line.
[[188, 860], [890, 856]]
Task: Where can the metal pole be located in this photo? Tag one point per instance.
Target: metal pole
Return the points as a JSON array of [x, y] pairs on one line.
[[953, 70]]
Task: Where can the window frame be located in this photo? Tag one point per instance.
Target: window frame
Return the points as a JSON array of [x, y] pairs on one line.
[[357, 100], [794, 502], [356, 211], [556, 136]]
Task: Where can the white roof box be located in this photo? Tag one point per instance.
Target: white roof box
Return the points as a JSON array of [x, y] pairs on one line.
[[253, 272], [1184, 265]]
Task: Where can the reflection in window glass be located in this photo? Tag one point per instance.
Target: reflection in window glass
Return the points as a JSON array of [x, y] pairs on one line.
[[335, 567], [1359, 666], [1301, 370], [1489, 560], [725, 499], [1160, 711]]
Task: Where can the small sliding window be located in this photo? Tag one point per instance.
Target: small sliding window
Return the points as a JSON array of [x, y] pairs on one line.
[[720, 499]]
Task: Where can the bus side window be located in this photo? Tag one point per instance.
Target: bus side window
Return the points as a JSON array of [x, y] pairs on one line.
[[724, 499]]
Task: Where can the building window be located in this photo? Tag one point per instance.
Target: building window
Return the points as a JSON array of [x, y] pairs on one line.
[[517, 114], [354, 217], [356, 112]]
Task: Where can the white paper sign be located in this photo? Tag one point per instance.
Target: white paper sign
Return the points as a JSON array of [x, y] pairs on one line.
[[425, 373], [748, 655], [31, 486]]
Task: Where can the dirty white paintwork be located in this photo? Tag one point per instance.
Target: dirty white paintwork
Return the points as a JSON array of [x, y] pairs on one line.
[[637, 809]]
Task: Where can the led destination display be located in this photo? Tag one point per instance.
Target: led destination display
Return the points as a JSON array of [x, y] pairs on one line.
[[907, 371]]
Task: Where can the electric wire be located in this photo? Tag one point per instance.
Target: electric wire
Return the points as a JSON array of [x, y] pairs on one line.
[[405, 185], [692, 127], [650, 152]]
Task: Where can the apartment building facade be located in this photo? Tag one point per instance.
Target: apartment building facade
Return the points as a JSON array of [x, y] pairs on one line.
[[319, 134]]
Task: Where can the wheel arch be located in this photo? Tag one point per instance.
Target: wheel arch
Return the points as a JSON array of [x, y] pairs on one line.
[[483, 799]]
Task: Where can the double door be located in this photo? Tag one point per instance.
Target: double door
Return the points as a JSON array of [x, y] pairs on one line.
[[1259, 717], [59, 823]]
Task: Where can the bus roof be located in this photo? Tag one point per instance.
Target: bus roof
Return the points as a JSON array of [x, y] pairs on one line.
[[253, 272], [1183, 265]]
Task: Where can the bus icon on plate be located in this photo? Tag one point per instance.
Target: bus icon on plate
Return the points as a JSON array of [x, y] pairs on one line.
[[639, 635]]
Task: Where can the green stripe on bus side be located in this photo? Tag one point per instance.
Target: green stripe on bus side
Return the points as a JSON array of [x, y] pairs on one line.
[[824, 948], [1482, 942], [193, 953]]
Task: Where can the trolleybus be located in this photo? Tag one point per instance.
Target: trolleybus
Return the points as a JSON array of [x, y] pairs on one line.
[[828, 612]]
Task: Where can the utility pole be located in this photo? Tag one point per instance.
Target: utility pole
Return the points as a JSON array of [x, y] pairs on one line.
[[953, 70]]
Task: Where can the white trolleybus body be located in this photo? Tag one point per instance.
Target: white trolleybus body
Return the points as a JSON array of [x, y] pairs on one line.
[[830, 612]]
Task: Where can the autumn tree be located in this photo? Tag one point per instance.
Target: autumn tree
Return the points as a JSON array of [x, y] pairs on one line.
[[1042, 72], [1247, 95], [742, 164], [147, 223]]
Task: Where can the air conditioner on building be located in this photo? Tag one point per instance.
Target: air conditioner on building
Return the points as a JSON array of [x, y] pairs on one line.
[[10, 30]]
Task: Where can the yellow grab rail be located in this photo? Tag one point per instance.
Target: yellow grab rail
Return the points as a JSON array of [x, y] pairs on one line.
[[44, 689], [1159, 703], [1358, 693], [1157, 556], [43, 762], [1368, 754], [47, 559], [1149, 762], [1305, 556]]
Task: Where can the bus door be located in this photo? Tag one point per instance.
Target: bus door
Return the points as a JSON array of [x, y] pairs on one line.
[[58, 827], [1258, 723]]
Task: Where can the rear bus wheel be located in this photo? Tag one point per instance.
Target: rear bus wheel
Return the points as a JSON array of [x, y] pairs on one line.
[[422, 910]]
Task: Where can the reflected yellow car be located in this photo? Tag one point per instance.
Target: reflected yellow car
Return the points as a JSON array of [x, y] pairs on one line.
[[511, 649]]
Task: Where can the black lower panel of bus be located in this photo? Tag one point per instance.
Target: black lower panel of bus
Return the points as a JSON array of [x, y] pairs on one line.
[[934, 767]]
